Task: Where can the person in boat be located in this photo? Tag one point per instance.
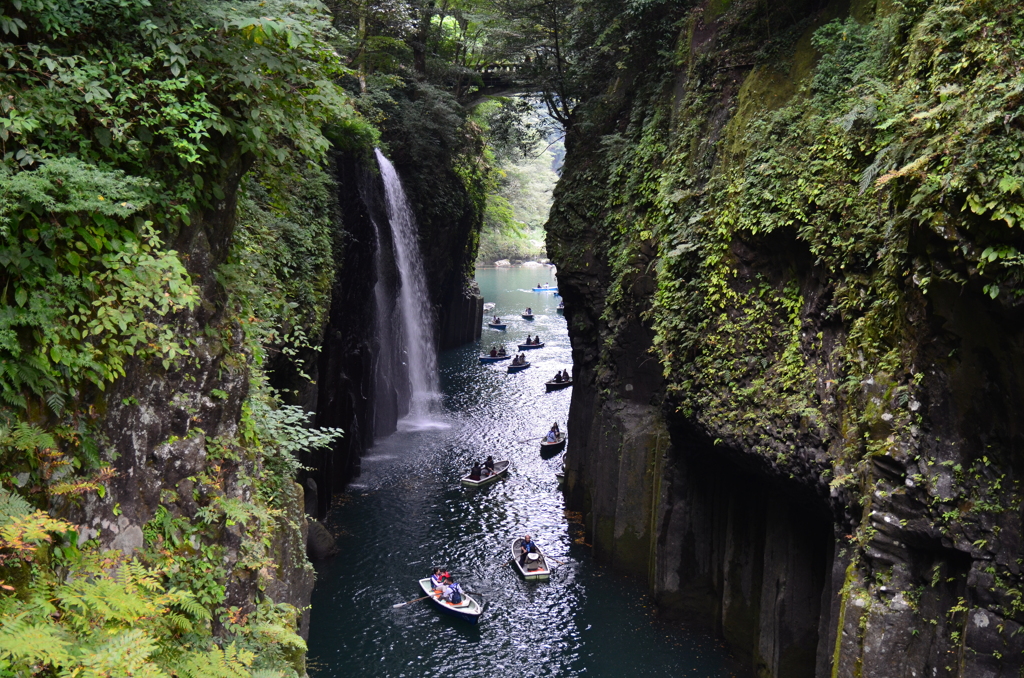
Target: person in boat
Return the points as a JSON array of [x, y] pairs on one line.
[[554, 427], [515, 361], [437, 579], [494, 352], [536, 340], [489, 465], [526, 547], [474, 473], [565, 375], [528, 340], [501, 351], [558, 378], [551, 436], [452, 591]]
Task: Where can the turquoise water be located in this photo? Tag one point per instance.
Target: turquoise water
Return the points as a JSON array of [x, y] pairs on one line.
[[407, 512]]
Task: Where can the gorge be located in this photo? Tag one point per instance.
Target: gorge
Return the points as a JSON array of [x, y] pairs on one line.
[[786, 234]]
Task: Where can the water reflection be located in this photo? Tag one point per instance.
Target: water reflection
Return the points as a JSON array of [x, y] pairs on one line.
[[407, 512]]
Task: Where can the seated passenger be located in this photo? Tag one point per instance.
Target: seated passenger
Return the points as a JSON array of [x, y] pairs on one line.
[[474, 473], [551, 437], [436, 579], [558, 378], [565, 376], [489, 465], [494, 352], [452, 591], [526, 547]]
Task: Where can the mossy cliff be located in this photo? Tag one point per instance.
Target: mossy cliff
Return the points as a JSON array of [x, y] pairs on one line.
[[787, 240], [180, 232]]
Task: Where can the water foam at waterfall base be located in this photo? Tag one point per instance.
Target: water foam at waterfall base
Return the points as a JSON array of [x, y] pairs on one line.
[[415, 311]]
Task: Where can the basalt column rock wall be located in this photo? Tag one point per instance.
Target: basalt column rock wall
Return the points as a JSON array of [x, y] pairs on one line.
[[348, 391], [797, 362]]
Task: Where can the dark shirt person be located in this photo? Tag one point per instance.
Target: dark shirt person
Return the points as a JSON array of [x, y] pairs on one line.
[[474, 473], [526, 547], [558, 378], [494, 352], [489, 464]]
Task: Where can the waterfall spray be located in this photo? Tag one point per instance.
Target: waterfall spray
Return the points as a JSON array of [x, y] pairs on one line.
[[416, 314]]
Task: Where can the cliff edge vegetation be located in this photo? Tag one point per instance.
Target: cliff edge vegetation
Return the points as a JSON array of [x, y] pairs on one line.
[[150, 523], [797, 326]]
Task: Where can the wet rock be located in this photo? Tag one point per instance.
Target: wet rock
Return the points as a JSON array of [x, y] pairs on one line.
[[320, 544]]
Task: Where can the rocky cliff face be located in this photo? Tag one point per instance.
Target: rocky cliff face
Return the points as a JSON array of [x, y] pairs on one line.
[[352, 389], [795, 327]]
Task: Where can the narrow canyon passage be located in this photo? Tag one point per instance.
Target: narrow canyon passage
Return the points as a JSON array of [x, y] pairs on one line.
[[407, 512]]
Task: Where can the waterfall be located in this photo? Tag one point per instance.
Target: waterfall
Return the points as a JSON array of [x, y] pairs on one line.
[[415, 315]]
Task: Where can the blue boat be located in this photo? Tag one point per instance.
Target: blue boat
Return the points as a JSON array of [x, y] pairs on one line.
[[469, 609], [525, 347], [527, 316], [484, 359], [545, 289], [497, 326], [517, 368]]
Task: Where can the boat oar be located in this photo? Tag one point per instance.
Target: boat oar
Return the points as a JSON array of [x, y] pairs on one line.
[[415, 600]]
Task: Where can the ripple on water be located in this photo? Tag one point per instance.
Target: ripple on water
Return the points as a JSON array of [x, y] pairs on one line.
[[408, 512]]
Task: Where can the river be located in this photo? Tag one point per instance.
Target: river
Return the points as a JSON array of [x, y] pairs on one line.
[[407, 512]]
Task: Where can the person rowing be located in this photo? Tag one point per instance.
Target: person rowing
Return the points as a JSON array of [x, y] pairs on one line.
[[489, 465], [558, 378], [452, 591], [526, 547]]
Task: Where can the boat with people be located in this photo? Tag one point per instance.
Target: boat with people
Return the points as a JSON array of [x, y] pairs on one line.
[[500, 469], [561, 308], [545, 288], [527, 316], [555, 446], [497, 326], [517, 367], [525, 347], [469, 609], [534, 566], [557, 385], [484, 359]]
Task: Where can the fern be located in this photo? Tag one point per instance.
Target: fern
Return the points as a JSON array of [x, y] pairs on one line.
[[217, 662], [23, 638], [12, 506]]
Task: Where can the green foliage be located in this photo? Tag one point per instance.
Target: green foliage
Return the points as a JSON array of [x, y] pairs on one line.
[[121, 123], [85, 283]]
